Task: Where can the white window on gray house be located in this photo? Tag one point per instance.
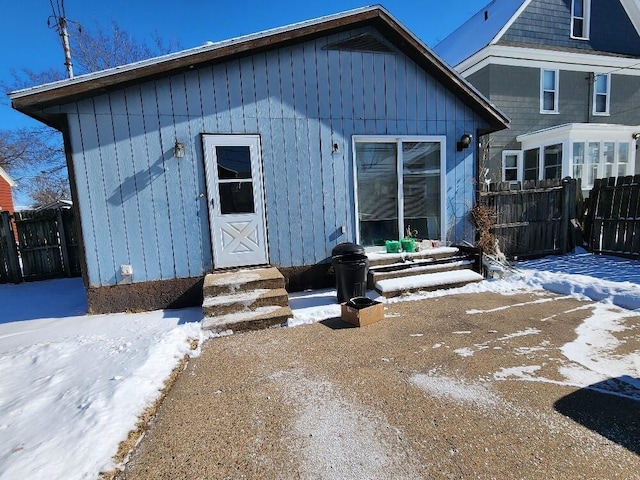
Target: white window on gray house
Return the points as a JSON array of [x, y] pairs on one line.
[[511, 166], [578, 160], [549, 91], [609, 152], [601, 88], [605, 159], [532, 164], [593, 161], [580, 13], [553, 161], [623, 159]]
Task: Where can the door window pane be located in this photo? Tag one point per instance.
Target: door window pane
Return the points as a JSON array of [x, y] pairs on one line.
[[421, 188], [233, 162], [377, 192], [236, 197]]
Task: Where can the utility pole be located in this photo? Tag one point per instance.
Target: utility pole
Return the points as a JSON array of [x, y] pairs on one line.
[[58, 22]]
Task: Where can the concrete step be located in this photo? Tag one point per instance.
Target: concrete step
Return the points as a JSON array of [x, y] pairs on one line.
[[243, 301], [415, 268], [426, 282], [382, 258], [232, 281], [262, 317]]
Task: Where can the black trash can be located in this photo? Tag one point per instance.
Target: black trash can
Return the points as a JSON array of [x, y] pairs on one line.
[[350, 264]]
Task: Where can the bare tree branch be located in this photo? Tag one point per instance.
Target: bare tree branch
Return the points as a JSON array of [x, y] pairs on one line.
[[34, 157]]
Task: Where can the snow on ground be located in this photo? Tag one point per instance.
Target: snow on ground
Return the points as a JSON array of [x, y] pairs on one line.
[[73, 385]]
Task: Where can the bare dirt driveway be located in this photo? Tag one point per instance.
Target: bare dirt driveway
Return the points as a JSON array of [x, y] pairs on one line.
[[463, 386]]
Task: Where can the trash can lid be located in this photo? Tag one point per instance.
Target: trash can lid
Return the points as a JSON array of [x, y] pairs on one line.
[[347, 248]]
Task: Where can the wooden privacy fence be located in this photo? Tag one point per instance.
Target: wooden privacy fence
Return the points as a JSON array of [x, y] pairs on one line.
[[47, 245], [612, 221], [533, 218]]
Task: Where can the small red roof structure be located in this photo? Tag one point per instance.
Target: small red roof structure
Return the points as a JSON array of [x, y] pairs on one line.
[[6, 198]]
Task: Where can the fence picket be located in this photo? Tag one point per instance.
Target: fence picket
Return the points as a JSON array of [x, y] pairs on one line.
[[531, 218], [615, 216], [47, 245]]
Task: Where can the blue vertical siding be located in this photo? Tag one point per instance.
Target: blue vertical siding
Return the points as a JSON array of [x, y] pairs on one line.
[[125, 193], [140, 185], [195, 202], [142, 206]]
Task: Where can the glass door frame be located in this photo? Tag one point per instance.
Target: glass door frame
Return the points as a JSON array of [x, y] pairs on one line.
[[399, 140]]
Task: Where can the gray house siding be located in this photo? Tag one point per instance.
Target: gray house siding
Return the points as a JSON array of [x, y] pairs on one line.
[[547, 23], [516, 91], [141, 206], [625, 100]]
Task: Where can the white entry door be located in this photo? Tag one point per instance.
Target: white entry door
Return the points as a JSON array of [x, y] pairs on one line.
[[233, 167]]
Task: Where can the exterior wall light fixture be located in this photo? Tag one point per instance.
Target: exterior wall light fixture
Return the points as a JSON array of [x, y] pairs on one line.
[[178, 149], [465, 141]]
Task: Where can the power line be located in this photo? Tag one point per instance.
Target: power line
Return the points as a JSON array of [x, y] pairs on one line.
[[58, 22]]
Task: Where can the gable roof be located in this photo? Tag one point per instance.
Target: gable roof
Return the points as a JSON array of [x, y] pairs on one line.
[[489, 25], [483, 29], [33, 100], [6, 177]]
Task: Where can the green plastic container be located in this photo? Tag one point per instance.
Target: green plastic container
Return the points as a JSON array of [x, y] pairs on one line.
[[393, 246], [408, 245]]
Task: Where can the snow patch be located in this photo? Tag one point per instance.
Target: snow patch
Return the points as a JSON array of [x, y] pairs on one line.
[[464, 352], [523, 333], [455, 389], [335, 435], [522, 372], [594, 348]]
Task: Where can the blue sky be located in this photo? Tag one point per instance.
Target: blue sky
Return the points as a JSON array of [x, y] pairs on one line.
[[28, 42]]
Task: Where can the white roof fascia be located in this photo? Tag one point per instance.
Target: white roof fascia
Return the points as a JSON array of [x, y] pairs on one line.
[[510, 22], [633, 11], [192, 51], [604, 131], [6, 176], [538, 58]]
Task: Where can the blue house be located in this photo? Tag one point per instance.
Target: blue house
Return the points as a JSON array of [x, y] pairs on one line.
[[270, 148], [567, 72]]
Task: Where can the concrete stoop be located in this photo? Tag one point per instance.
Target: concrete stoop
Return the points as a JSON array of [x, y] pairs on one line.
[[392, 275], [245, 299]]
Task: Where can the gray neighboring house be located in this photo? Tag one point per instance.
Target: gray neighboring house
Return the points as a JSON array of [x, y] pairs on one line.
[[567, 73]]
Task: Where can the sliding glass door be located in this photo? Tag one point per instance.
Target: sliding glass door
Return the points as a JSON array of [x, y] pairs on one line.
[[399, 188]]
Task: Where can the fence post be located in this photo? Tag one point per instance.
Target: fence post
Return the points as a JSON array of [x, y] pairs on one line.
[[63, 243], [15, 274], [566, 215]]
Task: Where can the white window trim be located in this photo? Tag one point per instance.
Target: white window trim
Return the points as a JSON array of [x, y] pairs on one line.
[[520, 164], [556, 90], [593, 99], [442, 139], [586, 20]]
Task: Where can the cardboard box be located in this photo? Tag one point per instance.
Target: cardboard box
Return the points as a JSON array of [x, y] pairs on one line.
[[363, 316]]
